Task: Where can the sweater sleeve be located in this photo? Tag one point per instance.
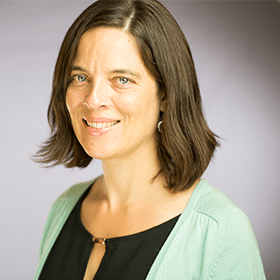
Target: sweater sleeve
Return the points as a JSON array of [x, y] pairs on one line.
[[237, 256]]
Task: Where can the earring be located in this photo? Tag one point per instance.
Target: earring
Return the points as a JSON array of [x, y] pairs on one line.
[[158, 126]]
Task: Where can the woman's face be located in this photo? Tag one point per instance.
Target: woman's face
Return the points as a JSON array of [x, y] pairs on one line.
[[112, 98]]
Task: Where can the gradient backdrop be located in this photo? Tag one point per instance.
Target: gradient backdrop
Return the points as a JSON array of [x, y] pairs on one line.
[[236, 49]]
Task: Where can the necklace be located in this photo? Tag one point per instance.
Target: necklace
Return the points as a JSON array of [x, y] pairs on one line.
[[99, 240]]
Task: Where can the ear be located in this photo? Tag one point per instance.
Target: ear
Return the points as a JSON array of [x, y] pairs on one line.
[[163, 104]]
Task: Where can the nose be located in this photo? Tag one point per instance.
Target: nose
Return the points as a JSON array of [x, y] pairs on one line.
[[98, 96]]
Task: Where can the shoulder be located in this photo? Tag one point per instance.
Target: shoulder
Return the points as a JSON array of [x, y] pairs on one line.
[[229, 225], [60, 211], [236, 247], [217, 206], [72, 194], [65, 203]]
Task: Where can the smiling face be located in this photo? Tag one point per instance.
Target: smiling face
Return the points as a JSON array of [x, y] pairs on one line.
[[112, 98]]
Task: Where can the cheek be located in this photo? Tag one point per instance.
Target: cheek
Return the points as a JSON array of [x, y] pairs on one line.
[[137, 105], [126, 104], [72, 101], [68, 106], [68, 101]]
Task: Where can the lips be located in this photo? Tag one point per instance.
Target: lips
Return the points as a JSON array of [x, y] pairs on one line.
[[92, 119], [100, 123]]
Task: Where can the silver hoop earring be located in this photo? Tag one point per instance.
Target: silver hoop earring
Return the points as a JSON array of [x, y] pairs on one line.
[[158, 126]]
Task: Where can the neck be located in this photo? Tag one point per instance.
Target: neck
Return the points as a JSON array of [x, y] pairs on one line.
[[128, 181]]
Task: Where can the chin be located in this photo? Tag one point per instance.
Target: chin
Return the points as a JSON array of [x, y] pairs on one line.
[[101, 154]]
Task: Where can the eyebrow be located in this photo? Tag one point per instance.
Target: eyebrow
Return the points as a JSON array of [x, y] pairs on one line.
[[78, 68], [115, 71], [126, 72]]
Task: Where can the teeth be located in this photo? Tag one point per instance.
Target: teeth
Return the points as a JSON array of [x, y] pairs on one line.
[[100, 124]]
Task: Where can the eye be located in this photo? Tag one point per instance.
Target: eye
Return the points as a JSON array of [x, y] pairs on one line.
[[123, 81], [81, 78], [78, 80]]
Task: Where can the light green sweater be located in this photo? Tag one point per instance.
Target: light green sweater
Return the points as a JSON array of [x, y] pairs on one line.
[[212, 239]]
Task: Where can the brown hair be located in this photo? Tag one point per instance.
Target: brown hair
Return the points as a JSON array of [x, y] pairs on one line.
[[185, 145]]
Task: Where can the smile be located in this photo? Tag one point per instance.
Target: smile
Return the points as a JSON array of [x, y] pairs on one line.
[[100, 125]]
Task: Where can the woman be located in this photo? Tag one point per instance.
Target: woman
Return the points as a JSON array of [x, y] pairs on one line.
[[125, 91]]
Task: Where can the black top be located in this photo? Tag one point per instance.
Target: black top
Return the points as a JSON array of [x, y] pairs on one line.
[[128, 257]]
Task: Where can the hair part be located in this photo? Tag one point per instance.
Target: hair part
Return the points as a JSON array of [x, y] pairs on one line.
[[185, 145]]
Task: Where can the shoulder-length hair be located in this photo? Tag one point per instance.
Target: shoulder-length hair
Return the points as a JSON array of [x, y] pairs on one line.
[[185, 144]]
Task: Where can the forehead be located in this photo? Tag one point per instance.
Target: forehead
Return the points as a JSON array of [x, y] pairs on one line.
[[108, 47]]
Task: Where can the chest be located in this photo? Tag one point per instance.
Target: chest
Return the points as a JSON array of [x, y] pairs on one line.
[[75, 255], [130, 238], [95, 258], [105, 224]]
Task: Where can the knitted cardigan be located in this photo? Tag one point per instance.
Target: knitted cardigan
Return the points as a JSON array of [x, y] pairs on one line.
[[213, 239]]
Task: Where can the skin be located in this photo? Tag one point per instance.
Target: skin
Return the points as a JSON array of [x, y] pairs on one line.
[[123, 201]]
